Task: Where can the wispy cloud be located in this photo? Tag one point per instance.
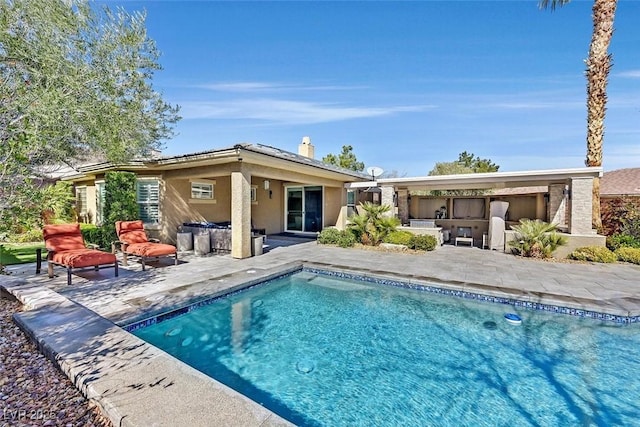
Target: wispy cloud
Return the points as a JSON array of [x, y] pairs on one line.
[[288, 112], [251, 87], [629, 74]]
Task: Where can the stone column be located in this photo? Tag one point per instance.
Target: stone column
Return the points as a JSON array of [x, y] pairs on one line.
[[557, 205], [241, 213], [387, 199], [403, 206], [581, 204]]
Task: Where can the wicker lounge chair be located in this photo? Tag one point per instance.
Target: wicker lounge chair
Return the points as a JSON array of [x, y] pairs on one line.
[[67, 248], [134, 242]]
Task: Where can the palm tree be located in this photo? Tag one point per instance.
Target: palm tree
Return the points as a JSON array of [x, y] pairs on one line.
[[373, 224], [598, 66]]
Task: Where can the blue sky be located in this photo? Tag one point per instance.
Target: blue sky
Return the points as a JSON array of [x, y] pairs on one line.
[[407, 84]]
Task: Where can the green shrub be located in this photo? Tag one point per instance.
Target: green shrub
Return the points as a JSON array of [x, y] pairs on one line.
[[593, 254], [101, 236], [347, 239], [32, 235], [628, 254], [423, 242], [398, 237], [333, 236], [329, 236], [621, 241], [120, 202], [536, 239]]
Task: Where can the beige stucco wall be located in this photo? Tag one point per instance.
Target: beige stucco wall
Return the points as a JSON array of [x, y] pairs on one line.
[[333, 201], [178, 208], [521, 207], [525, 206], [268, 210], [90, 187]]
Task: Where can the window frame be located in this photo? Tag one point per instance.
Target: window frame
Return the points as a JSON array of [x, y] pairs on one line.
[[79, 189], [100, 199], [204, 183], [254, 194], [148, 202]]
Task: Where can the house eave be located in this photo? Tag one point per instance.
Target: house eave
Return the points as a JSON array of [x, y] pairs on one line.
[[491, 180]]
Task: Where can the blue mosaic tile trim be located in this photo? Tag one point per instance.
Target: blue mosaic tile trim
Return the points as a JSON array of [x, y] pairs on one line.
[[187, 309], [478, 297], [391, 282], [139, 325]]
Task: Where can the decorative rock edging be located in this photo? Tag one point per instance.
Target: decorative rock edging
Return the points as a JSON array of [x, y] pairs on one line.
[[32, 390]]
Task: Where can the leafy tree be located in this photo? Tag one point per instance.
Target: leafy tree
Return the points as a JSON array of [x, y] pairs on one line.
[[120, 197], [476, 164], [48, 204], [57, 204], [597, 73], [75, 84], [466, 163], [346, 159], [119, 203], [450, 168]]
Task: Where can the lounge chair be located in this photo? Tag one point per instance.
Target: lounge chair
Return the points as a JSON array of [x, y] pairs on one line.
[[134, 242], [67, 248]]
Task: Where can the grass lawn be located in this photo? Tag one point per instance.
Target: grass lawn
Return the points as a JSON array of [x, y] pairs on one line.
[[18, 253]]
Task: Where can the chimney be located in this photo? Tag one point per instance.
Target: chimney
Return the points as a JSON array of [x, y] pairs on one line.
[[306, 148]]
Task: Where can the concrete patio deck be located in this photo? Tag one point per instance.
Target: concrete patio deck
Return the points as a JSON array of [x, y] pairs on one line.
[[138, 385]]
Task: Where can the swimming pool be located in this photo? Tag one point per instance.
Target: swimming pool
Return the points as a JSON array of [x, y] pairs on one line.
[[322, 350]]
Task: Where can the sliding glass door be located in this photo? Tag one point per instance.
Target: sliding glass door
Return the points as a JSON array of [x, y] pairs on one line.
[[304, 209]]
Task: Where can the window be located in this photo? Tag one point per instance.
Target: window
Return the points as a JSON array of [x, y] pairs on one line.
[[351, 202], [202, 191], [81, 201], [148, 198], [100, 195]]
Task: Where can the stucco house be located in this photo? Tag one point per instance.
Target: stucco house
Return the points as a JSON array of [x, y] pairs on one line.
[[256, 186], [248, 185]]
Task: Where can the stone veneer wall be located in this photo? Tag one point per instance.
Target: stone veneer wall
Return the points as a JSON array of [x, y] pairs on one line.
[[581, 206], [557, 205], [387, 199], [403, 206]]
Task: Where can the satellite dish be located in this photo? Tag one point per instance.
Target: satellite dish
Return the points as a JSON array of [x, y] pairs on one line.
[[374, 171]]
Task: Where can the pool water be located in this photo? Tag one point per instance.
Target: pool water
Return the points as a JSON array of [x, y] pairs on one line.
[[320, 350]]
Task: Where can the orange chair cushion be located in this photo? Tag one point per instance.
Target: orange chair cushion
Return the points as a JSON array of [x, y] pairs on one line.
[[150, 249], [63, 237], [78, 258], [131, 232]]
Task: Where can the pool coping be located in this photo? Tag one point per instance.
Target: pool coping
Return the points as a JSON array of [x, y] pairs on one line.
[[548, 302], [137, 384], [133, 382]]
